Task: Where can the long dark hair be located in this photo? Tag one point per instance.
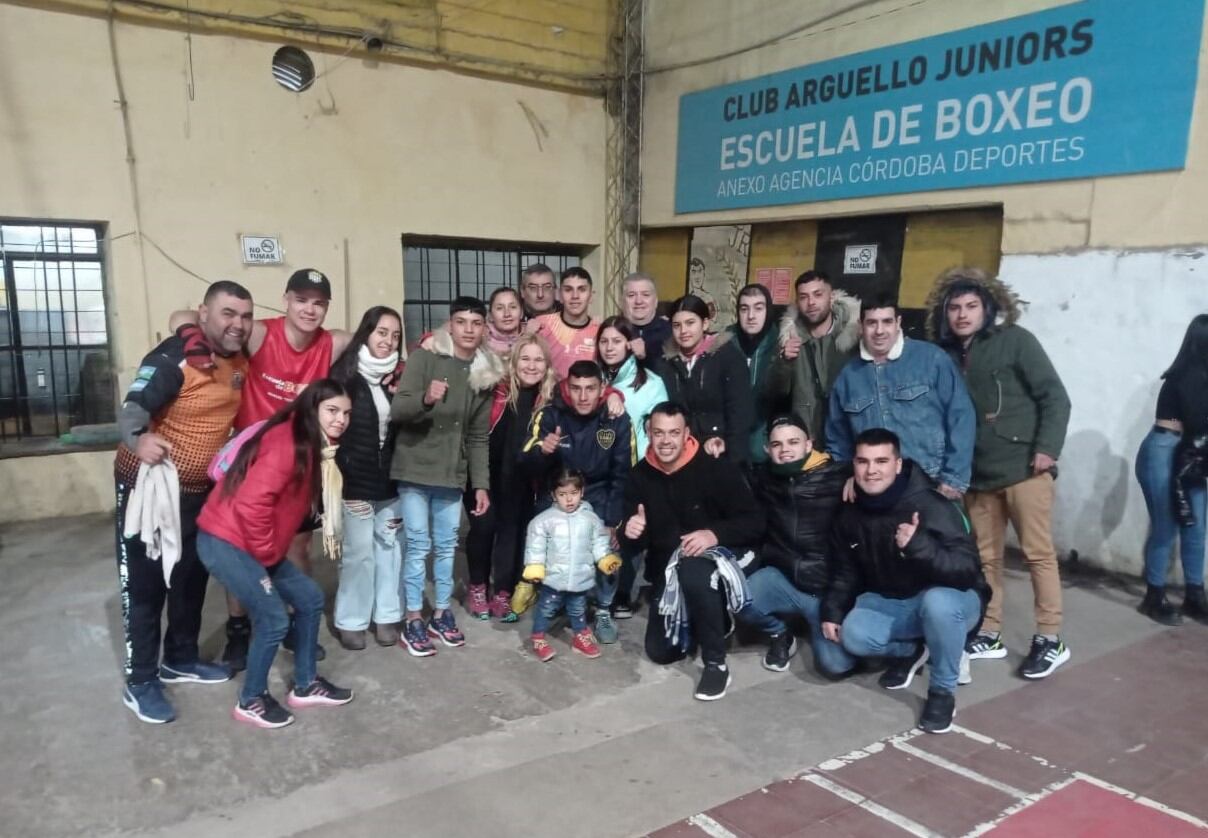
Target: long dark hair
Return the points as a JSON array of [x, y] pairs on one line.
[[629, 333], [1193, 354], [303, 414], [344, 370]]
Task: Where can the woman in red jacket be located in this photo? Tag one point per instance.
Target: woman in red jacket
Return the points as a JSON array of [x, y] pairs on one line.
[[278, 478]]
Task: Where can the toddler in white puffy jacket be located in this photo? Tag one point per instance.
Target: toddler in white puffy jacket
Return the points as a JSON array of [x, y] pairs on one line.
[[563, 547]]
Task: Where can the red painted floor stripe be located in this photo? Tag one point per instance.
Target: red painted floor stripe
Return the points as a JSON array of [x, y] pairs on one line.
[[1083, 810]]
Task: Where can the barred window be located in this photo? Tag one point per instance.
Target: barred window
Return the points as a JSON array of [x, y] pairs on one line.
[[55, 370], [436, 271]]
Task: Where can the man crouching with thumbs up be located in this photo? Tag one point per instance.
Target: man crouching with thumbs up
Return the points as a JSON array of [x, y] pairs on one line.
[[697, 519], [906, 580]]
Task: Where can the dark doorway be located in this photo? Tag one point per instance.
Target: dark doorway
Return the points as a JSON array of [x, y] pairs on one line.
[[863, 256]]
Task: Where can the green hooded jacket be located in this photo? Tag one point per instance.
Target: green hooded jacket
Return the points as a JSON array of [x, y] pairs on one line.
[[1022, 406]]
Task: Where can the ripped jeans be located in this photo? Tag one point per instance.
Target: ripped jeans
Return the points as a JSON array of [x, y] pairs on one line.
[[369, 568]]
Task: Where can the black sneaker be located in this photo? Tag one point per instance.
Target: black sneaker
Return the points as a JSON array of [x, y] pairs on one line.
[[986, 646], [1044, 658], [900, 671], [938, 711], [621, 608], [320, 693], [713, 682], [239, 634], [781, 649], [262, 711]]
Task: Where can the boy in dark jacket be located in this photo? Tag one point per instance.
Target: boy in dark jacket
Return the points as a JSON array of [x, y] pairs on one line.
[[906, 582], [576, 432], [679, 501], [800, 489]]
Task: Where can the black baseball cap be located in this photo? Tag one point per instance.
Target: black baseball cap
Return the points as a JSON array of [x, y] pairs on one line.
[[308, 279]]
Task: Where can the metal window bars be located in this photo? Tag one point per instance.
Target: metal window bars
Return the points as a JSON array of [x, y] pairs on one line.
[[436, 271], [55, 369]]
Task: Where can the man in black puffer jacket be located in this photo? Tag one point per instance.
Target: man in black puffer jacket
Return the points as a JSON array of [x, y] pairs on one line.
[[906, 579], [800, 489]]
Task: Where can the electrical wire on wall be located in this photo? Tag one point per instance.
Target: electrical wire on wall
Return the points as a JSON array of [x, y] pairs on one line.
[[128, 134], [176, 264]]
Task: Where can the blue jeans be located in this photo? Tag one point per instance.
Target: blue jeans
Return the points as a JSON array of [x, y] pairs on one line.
[[773, 594], [607, 585], [431, 516], [265, 592], [550, 602], [1155, 472], [369, 566], [941, 617]]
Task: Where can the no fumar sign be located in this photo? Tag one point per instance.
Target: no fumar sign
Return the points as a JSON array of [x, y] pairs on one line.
[[261, 250]]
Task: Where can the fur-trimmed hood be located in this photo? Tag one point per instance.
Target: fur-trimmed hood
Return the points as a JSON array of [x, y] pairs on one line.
[[1003, 305], [717, 340], [485, 370], [846, 311]]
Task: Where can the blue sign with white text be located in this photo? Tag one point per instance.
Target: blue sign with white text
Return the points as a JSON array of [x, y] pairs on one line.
[[1098, 87]]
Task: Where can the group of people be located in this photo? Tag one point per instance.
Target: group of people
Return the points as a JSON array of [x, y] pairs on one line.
[[820, 467]]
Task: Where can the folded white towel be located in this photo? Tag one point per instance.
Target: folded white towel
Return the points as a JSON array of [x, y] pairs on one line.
[[153, 513]]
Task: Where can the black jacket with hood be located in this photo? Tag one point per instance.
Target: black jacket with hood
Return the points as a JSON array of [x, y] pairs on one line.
[[800, 510], [702, 494], [865, 556], [716, 390]]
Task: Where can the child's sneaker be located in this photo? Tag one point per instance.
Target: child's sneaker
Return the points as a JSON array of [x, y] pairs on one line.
[[585, 644], [262, 711], [320, 693], [541, 648], [415, 640], [501, 607], [476, 602], [446, 629]]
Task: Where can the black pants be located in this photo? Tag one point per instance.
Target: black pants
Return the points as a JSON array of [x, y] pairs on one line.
[[141, 583], [495, 541], [707, 616]]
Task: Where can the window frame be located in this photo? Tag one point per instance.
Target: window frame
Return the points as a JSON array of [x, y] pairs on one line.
[[18, 436], [524, 253]]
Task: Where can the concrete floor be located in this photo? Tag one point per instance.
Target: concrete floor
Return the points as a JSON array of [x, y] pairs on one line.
[[480, 740]]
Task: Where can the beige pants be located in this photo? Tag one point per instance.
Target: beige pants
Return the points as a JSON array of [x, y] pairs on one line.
[[1029, 508]]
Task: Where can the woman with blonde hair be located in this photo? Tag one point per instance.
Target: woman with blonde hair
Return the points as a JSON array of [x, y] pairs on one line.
[[495, 543]]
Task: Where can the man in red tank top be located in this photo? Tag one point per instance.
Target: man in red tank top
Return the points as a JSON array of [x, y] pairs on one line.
[[285, 355]]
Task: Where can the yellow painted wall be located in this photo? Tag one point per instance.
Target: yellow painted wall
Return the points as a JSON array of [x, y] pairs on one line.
[[340, 172], [937, 241], [562, 42], [1139, 211], [663, 255], [787, 244], [62, 484]]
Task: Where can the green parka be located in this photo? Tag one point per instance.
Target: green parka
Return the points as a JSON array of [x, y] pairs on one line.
[[808, 378], [1022, 406], [438, 445]]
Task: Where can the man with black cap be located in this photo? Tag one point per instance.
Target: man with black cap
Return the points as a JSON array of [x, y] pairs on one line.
[[286, 354]]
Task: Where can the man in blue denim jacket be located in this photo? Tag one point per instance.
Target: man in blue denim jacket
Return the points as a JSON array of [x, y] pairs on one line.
[[910, 387]]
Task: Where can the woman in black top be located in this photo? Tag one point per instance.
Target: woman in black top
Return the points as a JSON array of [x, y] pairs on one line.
[[495, 542], [1181, 418], [369, 570], [707, 374]]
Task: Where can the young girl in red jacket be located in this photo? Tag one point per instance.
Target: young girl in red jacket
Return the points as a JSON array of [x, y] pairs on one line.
[[281, 475]]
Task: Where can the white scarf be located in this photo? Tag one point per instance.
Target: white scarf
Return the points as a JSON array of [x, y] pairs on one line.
[[373, 370], [333, 501]]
